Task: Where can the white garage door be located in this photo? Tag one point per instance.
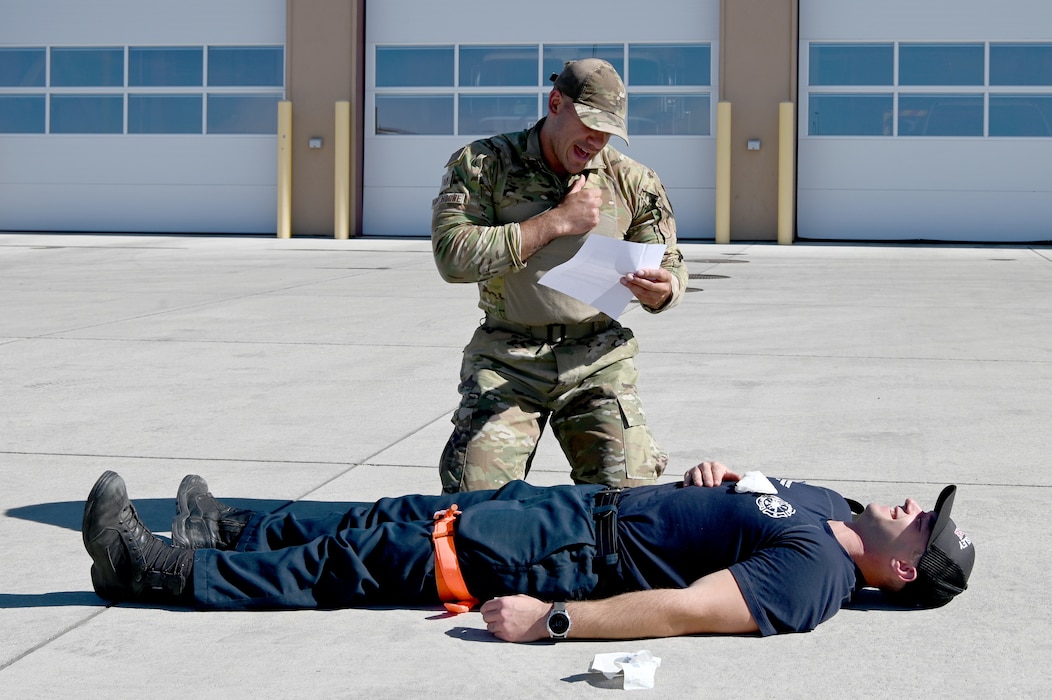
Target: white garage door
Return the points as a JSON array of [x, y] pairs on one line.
[[129, 116], [488, 73], [925, 120]]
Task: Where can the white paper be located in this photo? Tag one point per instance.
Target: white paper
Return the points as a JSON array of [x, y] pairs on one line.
[[638, 668], [754, 482], [594, 274]]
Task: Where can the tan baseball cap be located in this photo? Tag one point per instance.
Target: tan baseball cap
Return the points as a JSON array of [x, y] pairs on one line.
[[598, 94]]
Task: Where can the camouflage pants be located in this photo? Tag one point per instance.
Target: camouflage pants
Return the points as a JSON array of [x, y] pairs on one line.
[[512, 385]]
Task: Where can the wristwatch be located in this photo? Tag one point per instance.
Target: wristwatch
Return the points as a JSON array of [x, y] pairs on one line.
[[559, 621]]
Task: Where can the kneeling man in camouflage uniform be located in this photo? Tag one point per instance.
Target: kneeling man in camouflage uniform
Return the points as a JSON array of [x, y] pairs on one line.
[[511, 208]]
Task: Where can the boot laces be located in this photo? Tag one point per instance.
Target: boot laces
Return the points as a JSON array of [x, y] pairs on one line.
[[160, 564]]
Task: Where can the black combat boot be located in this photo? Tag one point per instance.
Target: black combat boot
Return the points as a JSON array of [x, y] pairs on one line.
[[131, 563], [202, 522]]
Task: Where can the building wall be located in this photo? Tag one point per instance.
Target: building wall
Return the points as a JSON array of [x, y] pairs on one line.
[[758, 71], [993, 187], [324, 45]]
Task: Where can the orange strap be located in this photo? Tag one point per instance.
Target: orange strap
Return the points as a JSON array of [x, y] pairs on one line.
[[451, 587]]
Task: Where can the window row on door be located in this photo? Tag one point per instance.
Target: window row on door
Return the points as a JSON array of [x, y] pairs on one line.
[[470, 89], [979, 89], [141, 90]]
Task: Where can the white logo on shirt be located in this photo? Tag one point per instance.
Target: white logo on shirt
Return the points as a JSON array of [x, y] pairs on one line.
[[774, 507]]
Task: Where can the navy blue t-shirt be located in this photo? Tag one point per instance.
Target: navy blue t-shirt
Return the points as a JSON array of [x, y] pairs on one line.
[[790, 568]]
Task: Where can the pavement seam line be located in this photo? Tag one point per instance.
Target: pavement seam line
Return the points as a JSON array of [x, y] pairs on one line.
[[49, 640]]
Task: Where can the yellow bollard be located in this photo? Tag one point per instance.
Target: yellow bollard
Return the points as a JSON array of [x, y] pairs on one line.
[[284, 169], [342, 174], [723, 172], [786, 171]]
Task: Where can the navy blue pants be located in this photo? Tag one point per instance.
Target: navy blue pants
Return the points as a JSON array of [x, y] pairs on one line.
[[517, 539]]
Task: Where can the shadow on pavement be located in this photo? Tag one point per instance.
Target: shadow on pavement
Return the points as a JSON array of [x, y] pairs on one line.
[[57, 599], [157, 513]]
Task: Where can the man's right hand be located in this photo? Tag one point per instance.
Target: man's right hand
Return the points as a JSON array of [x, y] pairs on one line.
[[709, 474], [580, 208], [577, 213]]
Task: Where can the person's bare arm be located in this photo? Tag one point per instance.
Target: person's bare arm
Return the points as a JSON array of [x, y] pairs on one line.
[[577, 213], [712, 604]]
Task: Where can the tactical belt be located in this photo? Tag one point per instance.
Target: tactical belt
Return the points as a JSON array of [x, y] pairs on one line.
[[452, 590], [605, 514], [552, 333]]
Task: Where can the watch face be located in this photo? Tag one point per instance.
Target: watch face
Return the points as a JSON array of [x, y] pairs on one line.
[[559, 623]]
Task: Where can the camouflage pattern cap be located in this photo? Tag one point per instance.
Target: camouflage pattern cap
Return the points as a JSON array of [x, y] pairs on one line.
[[597, 93]]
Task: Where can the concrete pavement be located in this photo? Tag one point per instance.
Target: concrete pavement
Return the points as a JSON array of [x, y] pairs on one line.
[[318, 370]]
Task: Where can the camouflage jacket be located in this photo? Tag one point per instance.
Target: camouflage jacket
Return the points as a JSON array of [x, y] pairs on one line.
[[492, 184]]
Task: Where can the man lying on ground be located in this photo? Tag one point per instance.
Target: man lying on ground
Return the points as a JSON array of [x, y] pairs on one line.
[[717, 553]]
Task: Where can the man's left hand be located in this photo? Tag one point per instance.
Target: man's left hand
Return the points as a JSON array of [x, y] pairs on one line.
[[516, 618], [651, 286], [709, 474]]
